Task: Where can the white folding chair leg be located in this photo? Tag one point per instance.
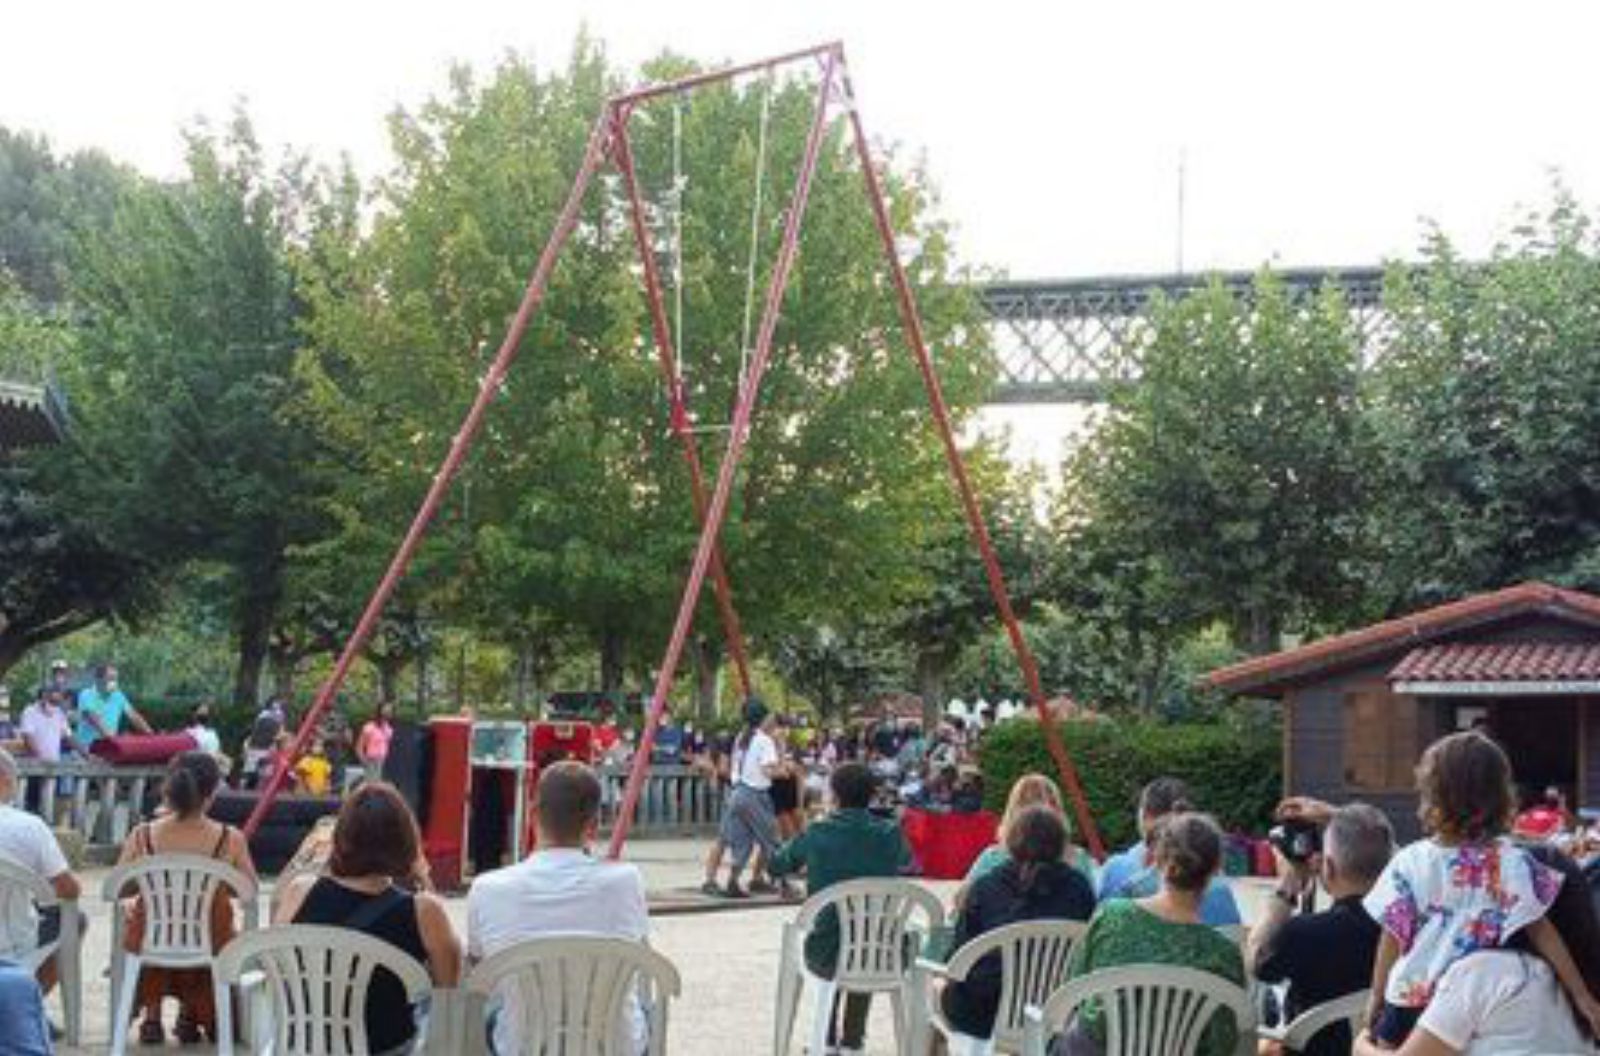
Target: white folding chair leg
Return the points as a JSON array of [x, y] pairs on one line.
[[905, 1038], [122, 1006], [224, 1003], [827, 990], [790, 983]]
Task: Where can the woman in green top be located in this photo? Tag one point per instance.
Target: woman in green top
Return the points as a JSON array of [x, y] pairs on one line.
[[1030, 790], [1164, 929]]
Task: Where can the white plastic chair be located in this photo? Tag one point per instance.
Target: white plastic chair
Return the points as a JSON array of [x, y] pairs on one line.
[[311, 982], [1148, 1010], [1297, 1034], [1033, 965], [574, 995], [177, 890], [878, 941], [67, 948]]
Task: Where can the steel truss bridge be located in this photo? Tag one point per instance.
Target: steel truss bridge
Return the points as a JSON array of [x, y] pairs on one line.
[[1068, 340]]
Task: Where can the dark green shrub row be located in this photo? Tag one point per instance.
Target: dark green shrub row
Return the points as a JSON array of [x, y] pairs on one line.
[[1234, 774]]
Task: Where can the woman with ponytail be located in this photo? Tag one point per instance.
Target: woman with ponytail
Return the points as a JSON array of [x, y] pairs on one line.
[[1032, 883], [182, 827]]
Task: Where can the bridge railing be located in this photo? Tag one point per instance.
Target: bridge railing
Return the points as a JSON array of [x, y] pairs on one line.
[[99, 802], [676, 800]]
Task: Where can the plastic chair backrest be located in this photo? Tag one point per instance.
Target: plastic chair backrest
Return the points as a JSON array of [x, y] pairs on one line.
[[877, 930], [1033, 965], [16, 878], [1153, 1008], [316, 979], [1313, 1021], [572, 995], [177, 892]]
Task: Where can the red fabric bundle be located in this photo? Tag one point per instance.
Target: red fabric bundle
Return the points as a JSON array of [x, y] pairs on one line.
[[142, 749]]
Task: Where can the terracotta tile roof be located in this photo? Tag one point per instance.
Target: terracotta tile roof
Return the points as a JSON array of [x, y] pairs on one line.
[[1501, 662], [1270, 675]]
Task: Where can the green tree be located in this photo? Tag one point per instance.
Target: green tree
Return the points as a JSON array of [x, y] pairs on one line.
[[1227, 484], [60, 571], [46, 202], [574, 513], [1486, 403], [183, 374]]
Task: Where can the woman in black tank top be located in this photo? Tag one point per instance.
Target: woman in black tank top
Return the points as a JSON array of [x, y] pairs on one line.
[[375, 843]]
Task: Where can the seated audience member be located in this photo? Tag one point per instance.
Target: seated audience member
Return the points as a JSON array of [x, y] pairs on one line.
[[23, 1029], [558, 889], [1132, 873], [850, 843], [1166, 928], [1033, 883], [1031, 790], [1508, 1000], [376, 849], [26, 841], [1326, 955], [184, 828]]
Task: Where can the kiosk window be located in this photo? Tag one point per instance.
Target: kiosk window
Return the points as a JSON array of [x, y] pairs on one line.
[[1380, 740]]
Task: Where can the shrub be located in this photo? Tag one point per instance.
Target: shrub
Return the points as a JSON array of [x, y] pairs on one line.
[[1234, 774]]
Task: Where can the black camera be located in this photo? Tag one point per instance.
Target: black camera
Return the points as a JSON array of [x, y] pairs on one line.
[[1297, 840]]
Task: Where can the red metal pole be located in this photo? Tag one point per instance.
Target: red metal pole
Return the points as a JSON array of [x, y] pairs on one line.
[[593, 156], [696, 80], [739, 433], [911, 319], [667, 357]]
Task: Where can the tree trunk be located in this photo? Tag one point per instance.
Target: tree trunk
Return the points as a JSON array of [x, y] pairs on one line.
[[258, 612], [707, 668], [932, 666], [1256, 631], [390, 668], [613, 660]]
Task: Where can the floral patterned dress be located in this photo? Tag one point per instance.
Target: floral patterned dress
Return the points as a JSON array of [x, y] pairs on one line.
[[1442, 902]]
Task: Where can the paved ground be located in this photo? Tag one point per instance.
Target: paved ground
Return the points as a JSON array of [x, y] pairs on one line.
[[728, 961]]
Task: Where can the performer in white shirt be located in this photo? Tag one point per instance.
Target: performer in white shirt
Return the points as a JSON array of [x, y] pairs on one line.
[[747, 820]]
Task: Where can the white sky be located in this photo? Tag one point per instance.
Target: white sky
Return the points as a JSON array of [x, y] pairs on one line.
[[1313, 133]]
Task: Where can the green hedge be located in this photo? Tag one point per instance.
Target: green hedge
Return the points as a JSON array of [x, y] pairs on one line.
[[1234, 774]]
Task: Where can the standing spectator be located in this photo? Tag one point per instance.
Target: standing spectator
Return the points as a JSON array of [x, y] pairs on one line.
[[1167, 927], [376, 849], [45, 732], [184, 828], [102, 707], [1133, 873], [372, 744], [27, 841], [559, 889], [61, 681], [849, 844], [1326, 955], [1033, 883], [204, 734]]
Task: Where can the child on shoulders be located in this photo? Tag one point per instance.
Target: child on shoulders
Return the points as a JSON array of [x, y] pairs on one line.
[[1464, 887]]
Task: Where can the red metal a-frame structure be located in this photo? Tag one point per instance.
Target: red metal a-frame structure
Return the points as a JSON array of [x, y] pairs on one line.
[[609, 141]]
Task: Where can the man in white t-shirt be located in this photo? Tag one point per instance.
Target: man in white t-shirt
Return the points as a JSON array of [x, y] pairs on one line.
[[27, 841], [1494, 1003], [559, 889]]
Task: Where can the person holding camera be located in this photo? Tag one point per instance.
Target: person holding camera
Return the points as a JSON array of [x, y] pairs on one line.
[[1328, 954]]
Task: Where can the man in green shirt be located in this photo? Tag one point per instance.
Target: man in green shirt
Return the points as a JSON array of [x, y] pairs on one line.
[[849, 844]]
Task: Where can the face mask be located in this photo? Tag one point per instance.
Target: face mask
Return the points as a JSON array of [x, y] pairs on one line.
[[111, 685]]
